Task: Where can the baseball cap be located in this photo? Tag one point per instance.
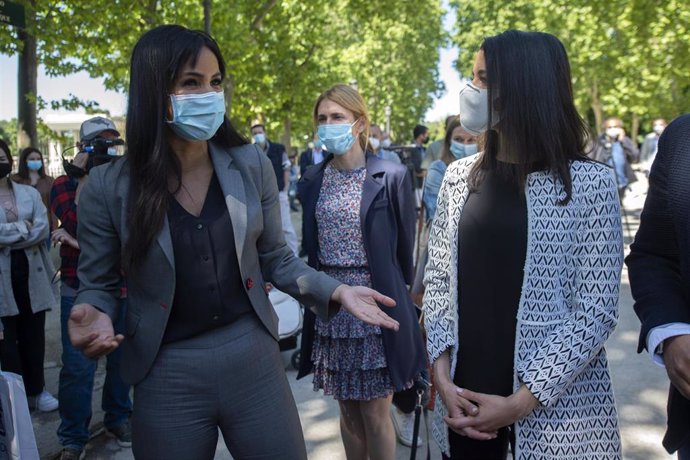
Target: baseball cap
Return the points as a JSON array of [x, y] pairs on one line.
[[93, 127]]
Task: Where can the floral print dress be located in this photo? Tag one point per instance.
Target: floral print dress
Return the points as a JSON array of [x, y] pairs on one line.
[[348, 355]]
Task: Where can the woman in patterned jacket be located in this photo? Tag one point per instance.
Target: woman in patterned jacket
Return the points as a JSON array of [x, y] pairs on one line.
[[524, 269]]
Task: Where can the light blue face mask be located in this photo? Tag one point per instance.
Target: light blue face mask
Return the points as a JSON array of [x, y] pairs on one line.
[[197, 117], [34, 165], [462, 150], [260, 138], [337, 138], [318, 144], [112, 151]]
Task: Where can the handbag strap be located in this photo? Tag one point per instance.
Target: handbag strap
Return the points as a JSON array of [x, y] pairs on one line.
[[415, 432]]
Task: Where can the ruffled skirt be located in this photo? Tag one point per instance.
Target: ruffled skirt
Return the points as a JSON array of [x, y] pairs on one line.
[[348, 355]]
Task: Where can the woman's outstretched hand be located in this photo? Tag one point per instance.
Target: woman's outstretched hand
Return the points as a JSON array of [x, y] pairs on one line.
[[361, 302], [91, 331]]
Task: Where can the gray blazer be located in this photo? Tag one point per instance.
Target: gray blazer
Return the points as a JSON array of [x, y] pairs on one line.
[[251, 194], [16, 235]]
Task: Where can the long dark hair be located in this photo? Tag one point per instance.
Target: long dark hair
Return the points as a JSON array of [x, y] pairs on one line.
[[529, 75], [22, 169], [158, 57]]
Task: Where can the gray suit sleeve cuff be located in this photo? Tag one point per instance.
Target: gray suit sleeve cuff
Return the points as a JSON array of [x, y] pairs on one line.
[[104, 301]]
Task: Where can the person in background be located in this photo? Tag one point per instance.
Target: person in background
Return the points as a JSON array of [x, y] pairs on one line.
[[191, 215], [649, 146], [292, 187], [376, 144], [31, 171], [617, 150], [659, 271], [281, 166], [420, 135], [360, 229], [78, 372], [26, 288], [312, 156], [433, 152], [525, 258]]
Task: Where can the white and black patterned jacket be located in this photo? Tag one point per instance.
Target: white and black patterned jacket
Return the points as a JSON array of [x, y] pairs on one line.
[[568, 308]]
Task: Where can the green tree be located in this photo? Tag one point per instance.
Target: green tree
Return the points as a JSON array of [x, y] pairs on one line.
[[628, 58]]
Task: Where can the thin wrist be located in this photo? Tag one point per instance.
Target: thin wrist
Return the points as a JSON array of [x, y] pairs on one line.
[[524, 402]]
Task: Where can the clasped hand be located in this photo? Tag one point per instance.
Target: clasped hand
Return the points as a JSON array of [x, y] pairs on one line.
[[479, 416]]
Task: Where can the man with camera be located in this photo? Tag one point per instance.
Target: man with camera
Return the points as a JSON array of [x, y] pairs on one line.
[[617, 150], [99, 141]]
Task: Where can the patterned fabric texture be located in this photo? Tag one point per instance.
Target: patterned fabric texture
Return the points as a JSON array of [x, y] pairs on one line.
[[348, 355], [568, 308]]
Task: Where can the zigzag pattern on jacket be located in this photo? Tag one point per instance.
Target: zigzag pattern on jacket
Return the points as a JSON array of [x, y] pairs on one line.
[[568, 308]]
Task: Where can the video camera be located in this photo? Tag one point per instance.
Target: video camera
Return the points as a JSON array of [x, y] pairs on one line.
[[97, 149]]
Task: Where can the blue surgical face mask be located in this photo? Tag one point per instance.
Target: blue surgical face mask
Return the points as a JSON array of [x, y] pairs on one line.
[[112, 151], [34, 165], [318, 144], [197, 117], [260, 138], [337, 138], [462, 150]]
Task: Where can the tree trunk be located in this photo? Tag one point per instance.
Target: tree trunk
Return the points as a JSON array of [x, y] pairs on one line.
[[27, 134], [207, 16], [287, 132], [635, 127], [229, 88], [597, 108]]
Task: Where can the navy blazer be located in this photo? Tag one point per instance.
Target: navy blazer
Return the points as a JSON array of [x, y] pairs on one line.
[[387, 216], [659, 260]]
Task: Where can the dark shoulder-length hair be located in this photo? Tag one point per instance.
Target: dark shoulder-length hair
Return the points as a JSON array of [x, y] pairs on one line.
[[529, 81], [446, 156], [22, 169], [157, 58]]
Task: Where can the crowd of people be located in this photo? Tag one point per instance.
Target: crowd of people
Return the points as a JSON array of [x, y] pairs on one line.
[[499, 243]]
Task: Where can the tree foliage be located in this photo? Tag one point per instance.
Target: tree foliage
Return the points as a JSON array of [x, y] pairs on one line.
[[281, 54], [629, 58]]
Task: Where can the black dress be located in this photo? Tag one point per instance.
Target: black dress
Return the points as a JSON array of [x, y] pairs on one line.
[[492, 245]]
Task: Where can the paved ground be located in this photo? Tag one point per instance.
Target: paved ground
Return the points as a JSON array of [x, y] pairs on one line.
[[640, 388]]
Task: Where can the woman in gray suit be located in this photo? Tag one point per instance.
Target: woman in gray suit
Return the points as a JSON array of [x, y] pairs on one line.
[[191, 217]]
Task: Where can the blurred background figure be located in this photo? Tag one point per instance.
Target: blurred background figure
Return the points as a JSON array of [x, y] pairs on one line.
[[31, 171], [376, 142], [614, 148], [26, 287]]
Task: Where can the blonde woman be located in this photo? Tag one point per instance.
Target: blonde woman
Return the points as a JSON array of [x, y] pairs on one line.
[[359, 228]]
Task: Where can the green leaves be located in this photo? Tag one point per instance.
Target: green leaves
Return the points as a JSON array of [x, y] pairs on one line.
[[281, 54], [629, 58]]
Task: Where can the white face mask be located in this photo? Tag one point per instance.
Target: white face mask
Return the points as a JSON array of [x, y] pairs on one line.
[[659, 129], [474, 109], [374, 142], [386, 143], [613, 133]]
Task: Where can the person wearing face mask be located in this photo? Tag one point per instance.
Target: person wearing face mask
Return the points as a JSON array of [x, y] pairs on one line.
[[281, 166], [191, 216], [617, 150], [377, 147], [360, 229], [651, 141], [525, 258], [312, 156], [26, 289], [31, 171], [97, 137]]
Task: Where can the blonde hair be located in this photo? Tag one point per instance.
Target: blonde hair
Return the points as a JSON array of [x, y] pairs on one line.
[[348, 98]]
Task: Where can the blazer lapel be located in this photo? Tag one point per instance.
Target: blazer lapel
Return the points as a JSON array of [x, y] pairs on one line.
[[165, 242], [371, 187], [232, 184]]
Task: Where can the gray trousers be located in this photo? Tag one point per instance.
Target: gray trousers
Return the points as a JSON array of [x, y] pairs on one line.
[[230, 378]]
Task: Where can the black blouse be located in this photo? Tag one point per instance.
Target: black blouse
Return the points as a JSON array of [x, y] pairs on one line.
[[208, 289], [492, 249]]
